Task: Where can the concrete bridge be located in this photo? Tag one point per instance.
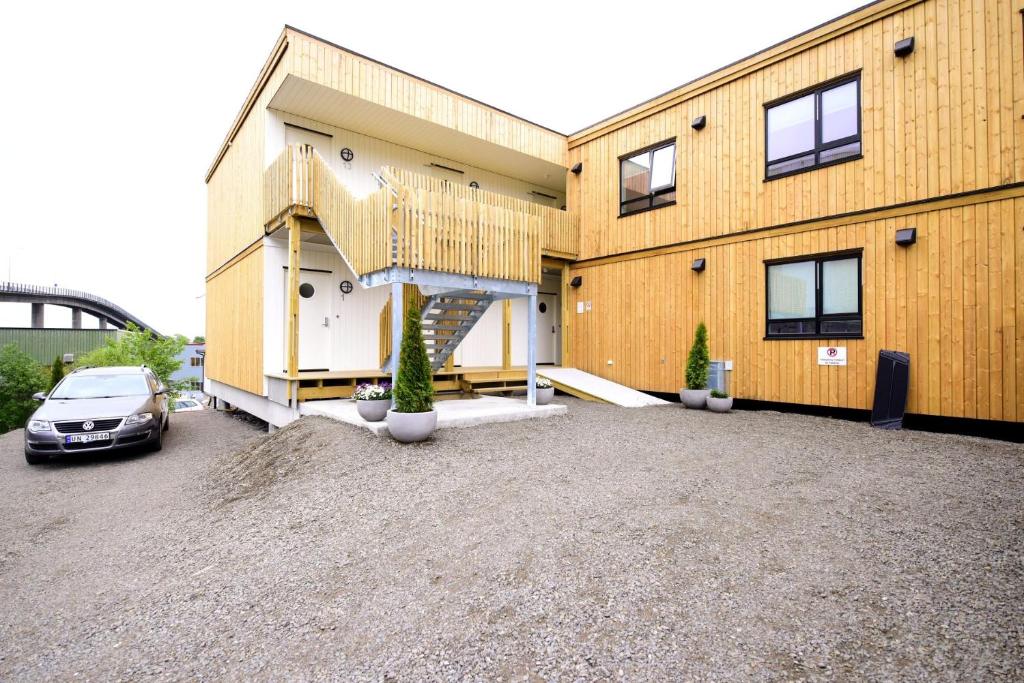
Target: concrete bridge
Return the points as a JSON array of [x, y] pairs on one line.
[[105, 311]]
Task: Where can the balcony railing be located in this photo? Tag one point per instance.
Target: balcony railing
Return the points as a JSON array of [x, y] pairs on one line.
[[414, 221], [300, 179], [560, 230]]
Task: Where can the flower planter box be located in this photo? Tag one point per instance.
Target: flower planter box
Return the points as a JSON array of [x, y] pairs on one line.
[[544, 396]]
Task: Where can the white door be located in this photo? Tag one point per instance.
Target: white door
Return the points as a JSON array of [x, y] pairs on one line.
[[314, 318], [293, 135], [547, 328]]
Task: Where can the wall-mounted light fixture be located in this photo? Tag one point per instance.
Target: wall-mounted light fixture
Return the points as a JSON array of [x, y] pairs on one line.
[[577, 168], [576, 281], [904, 47], [699, 122], [698, 265], [535, 193], [906, 236], [446, 168]]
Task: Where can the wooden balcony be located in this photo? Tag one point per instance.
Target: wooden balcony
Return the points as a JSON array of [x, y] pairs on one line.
[[414, 221]]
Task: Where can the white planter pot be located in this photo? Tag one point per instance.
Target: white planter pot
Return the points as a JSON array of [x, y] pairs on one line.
[[694, 398], [544, 396], [373, 411], [410, 427], [719, 405]]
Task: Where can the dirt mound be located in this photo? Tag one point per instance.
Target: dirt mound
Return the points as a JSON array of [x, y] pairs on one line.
[[257, 467]]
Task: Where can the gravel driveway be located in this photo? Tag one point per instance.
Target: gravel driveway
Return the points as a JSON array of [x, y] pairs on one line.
[[609, 543]]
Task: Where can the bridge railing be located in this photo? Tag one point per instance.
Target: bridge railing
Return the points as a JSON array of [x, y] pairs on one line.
[[16, 288]]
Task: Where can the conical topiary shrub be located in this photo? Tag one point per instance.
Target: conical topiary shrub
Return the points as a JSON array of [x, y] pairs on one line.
[[414, 392], [56, 372], [699, 360]]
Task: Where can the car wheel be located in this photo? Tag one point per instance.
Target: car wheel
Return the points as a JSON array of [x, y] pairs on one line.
[[158, 442], [33, 459], [167, 422]]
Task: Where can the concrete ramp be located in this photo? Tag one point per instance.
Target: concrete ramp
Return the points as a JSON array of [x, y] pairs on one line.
[[593, 388]]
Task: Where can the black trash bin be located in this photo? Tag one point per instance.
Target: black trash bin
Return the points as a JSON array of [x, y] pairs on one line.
[[891, 385]]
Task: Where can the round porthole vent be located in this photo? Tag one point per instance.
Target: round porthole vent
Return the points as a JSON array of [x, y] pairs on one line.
[[306, 290], [543, 308]]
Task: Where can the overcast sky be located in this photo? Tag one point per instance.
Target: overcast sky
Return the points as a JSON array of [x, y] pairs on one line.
[[113, 111]]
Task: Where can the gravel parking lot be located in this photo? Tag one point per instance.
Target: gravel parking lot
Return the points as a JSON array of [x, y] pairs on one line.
[[609, 543]]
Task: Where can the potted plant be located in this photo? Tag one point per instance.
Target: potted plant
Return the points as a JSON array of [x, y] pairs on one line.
[[719, 401], [695, 394], [545, 392], [373, 401], [413, 418]]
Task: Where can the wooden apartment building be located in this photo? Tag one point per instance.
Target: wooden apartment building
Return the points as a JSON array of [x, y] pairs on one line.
[[858, 187]]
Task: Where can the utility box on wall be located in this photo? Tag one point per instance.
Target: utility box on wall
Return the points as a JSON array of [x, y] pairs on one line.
[[718, 376]]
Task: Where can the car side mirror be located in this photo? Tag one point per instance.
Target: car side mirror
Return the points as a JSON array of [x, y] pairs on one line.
[[39, 396]]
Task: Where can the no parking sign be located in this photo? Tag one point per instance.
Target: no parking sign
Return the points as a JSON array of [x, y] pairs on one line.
[[831, 355]]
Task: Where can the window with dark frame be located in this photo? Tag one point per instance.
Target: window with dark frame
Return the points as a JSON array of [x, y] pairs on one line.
[[813, 129], [815, 297], [647, 178]]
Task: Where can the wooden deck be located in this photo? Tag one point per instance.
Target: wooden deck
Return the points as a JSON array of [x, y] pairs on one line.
[[315, 385]]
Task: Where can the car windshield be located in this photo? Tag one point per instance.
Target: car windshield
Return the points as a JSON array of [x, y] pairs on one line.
[[101, 386]]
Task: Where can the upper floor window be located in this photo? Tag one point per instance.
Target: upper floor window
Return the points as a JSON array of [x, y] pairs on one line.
[[814, 129], [647, 178], [815, 297]]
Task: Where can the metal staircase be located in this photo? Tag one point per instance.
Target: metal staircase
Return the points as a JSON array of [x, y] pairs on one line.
[[446, 320]]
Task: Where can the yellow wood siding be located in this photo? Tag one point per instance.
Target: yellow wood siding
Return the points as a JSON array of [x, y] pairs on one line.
[[944, 120], [339, 69], [234, 324], [234, 195], [954, 301]]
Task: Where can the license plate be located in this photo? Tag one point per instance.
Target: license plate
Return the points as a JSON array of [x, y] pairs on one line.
[[87, 438]]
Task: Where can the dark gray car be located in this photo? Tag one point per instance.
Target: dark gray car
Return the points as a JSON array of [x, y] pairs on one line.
[[97, 409]]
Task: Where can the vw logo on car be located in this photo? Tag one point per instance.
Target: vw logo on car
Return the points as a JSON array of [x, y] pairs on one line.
[[88, 425]]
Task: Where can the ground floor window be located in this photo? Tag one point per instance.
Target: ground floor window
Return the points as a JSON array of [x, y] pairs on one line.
[[815, 296]]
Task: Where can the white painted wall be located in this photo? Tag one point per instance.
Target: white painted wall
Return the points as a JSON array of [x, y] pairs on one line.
[[482, 346], [372, 153], [359, 351], [355, 317], [551, 284]]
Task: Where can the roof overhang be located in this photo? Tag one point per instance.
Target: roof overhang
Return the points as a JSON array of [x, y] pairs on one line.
[[335, 108]]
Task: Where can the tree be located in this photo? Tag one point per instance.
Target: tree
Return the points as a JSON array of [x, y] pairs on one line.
[[56, 372], [139, 347], [199, 339], [699, 360], [20, 377], [414, 392]]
